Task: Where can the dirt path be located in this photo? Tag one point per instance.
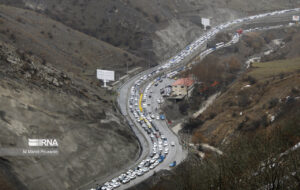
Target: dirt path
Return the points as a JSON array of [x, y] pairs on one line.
[[204, 106]]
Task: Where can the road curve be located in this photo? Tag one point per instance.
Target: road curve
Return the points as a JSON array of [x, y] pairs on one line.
[[178, 153]]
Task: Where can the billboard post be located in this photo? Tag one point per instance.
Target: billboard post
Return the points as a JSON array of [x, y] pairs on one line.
[[296, 19], [105, 76], [205, 22]]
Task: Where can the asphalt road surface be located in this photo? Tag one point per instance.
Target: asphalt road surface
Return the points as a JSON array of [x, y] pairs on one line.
[[176, 153]]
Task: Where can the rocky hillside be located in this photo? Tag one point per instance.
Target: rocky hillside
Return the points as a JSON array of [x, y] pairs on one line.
[[256, 99], [151, 29], [40, 101], [48, 89], [57, 43], [49, 51]]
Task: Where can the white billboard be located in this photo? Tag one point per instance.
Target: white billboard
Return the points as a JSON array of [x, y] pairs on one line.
[[205, 21], [296, 18], [105, 75]]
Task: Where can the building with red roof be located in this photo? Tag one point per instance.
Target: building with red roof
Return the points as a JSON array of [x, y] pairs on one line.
[[182, 86]]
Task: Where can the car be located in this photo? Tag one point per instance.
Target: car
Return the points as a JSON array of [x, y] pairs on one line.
[[140, 172], [166, 151], [173, 164], [116, 184], [157, 135], [121, 177], [152, 166], [132, 176], [152, 161], [157, 117], [126, 180], [145, 169], [172, 143], [151, 155], [166, 143]]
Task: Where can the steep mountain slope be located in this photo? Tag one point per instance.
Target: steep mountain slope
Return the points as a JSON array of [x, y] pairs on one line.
[[39, 101], [152, 29], [257, 98], [48, 89], [38, 34]]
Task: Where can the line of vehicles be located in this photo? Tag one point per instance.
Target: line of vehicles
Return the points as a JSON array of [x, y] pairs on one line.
[[144, 118], [160, 144]]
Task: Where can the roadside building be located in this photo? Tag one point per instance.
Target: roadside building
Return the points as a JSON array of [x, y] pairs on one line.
[[182, 87]]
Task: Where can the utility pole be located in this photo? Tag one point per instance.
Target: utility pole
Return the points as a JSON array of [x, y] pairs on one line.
[[149, 59]]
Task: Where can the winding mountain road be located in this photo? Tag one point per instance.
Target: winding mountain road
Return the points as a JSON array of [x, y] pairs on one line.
[[178, 153]]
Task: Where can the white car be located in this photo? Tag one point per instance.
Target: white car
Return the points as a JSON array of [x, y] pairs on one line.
[[116, 184], [132, 176], [166, 150], [160, 148], [126, 180], [140, 172], [152, 161], [166, 143], [172, 143], [145, 169]]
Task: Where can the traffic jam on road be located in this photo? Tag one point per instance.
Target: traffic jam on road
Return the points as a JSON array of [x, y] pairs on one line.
[[141, 101]]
